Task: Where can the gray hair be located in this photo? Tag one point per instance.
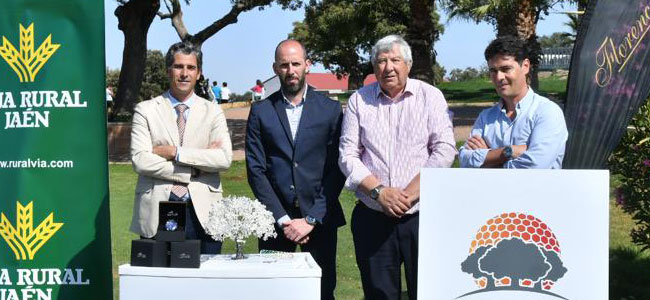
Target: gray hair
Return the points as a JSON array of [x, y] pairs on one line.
[[185, 48], [386, 45]]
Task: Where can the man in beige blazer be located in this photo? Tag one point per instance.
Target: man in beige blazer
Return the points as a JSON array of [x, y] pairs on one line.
[[179, 144]]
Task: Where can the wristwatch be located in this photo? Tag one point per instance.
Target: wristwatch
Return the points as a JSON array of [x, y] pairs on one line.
[[311, 220], [507, 152], [374, 193]]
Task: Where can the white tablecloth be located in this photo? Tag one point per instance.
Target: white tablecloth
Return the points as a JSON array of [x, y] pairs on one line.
[[261, 276]]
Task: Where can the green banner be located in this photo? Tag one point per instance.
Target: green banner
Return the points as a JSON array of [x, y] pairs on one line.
[[54, 214]]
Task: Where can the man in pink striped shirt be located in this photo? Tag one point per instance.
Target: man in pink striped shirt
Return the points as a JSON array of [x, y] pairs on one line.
[[391, 130]]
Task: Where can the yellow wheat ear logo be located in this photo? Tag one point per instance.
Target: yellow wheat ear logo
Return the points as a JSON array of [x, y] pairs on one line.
[[24, 240], [27, 63]]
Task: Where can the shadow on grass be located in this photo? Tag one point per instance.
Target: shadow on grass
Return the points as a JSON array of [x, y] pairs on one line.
[[629, 274], [485, 94]]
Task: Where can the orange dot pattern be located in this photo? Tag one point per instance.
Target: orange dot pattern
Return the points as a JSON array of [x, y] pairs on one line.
[[515, 225], [506, 281]]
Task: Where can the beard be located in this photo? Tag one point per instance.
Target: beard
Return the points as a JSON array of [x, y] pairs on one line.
[[292, 90]]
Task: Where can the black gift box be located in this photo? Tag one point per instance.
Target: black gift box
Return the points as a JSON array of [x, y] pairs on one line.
[[171, 221], [185, 254], [149, 253]]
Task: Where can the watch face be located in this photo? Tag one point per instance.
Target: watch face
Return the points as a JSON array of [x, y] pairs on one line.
[[374, 194], [171, 225], [310, 220], [508, 151]]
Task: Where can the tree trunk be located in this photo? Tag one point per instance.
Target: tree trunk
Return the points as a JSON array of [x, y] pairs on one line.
[[355, 80], [420, 37], [134, 18], [523, 26], [490, 282], [526, 28]]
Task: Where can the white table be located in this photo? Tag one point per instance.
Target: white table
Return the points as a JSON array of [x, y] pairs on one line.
[[261, 276]]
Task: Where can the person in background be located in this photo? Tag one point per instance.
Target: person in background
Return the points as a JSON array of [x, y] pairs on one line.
[[216, 90], [225, 93], [109, 99], [258, 91]]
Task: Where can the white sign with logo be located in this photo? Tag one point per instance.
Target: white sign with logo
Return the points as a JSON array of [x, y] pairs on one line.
[[513, 234]]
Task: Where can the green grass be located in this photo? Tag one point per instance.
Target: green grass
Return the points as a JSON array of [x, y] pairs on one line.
[[629, 268], [122, 186], [482, 90]]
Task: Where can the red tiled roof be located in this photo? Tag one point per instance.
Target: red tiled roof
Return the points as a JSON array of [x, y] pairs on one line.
[[327, 81], [370, 79]]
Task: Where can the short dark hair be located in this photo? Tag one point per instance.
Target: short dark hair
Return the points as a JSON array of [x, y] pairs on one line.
[[225, 83], [214, 83], [185, 48], [508, 45]]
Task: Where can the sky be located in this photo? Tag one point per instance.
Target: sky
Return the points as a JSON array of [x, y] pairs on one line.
[[243, 52]]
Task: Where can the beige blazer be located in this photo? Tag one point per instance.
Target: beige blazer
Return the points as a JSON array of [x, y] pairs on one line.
[[154, 124]]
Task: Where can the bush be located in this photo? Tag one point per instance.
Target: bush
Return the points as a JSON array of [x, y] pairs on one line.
[[469, 73], [631, 160]]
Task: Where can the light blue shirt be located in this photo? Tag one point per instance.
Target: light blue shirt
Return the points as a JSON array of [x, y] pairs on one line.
[[174, 102], [539, 124], [294, 112]]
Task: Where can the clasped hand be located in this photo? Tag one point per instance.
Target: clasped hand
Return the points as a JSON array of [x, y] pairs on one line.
[[396, 202], [297, 230]]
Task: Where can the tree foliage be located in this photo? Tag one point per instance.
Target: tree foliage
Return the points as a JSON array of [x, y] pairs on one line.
[[469, 73], [174, 12], [340, 33], [515, 259], [135, 17], [556, 40], [631, 162], [154, 79], [510, 17]]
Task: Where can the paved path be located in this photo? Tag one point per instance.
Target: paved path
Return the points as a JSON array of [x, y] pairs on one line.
[[464, 116]]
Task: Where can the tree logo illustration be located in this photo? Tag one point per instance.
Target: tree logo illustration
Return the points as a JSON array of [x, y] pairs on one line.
[[514, 251], [25, 240], [26, 61]]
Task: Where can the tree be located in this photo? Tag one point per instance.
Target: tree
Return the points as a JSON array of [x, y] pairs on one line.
[[175, 14], [574, 25], [135, 17], [510, 17], [468, 74], [557, 268], [630, 161], [154, 80], [421, 34], [340, 33], [515, 259], [556, 40], [470, 265]]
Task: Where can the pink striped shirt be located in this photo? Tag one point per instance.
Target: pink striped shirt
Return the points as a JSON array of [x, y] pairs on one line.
[[394, 139]]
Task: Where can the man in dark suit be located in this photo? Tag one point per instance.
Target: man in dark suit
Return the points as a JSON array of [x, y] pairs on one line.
[[292, 140]]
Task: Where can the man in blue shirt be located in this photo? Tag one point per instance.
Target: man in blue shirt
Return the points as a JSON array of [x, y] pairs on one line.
[[524, 130], [216, 90]]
